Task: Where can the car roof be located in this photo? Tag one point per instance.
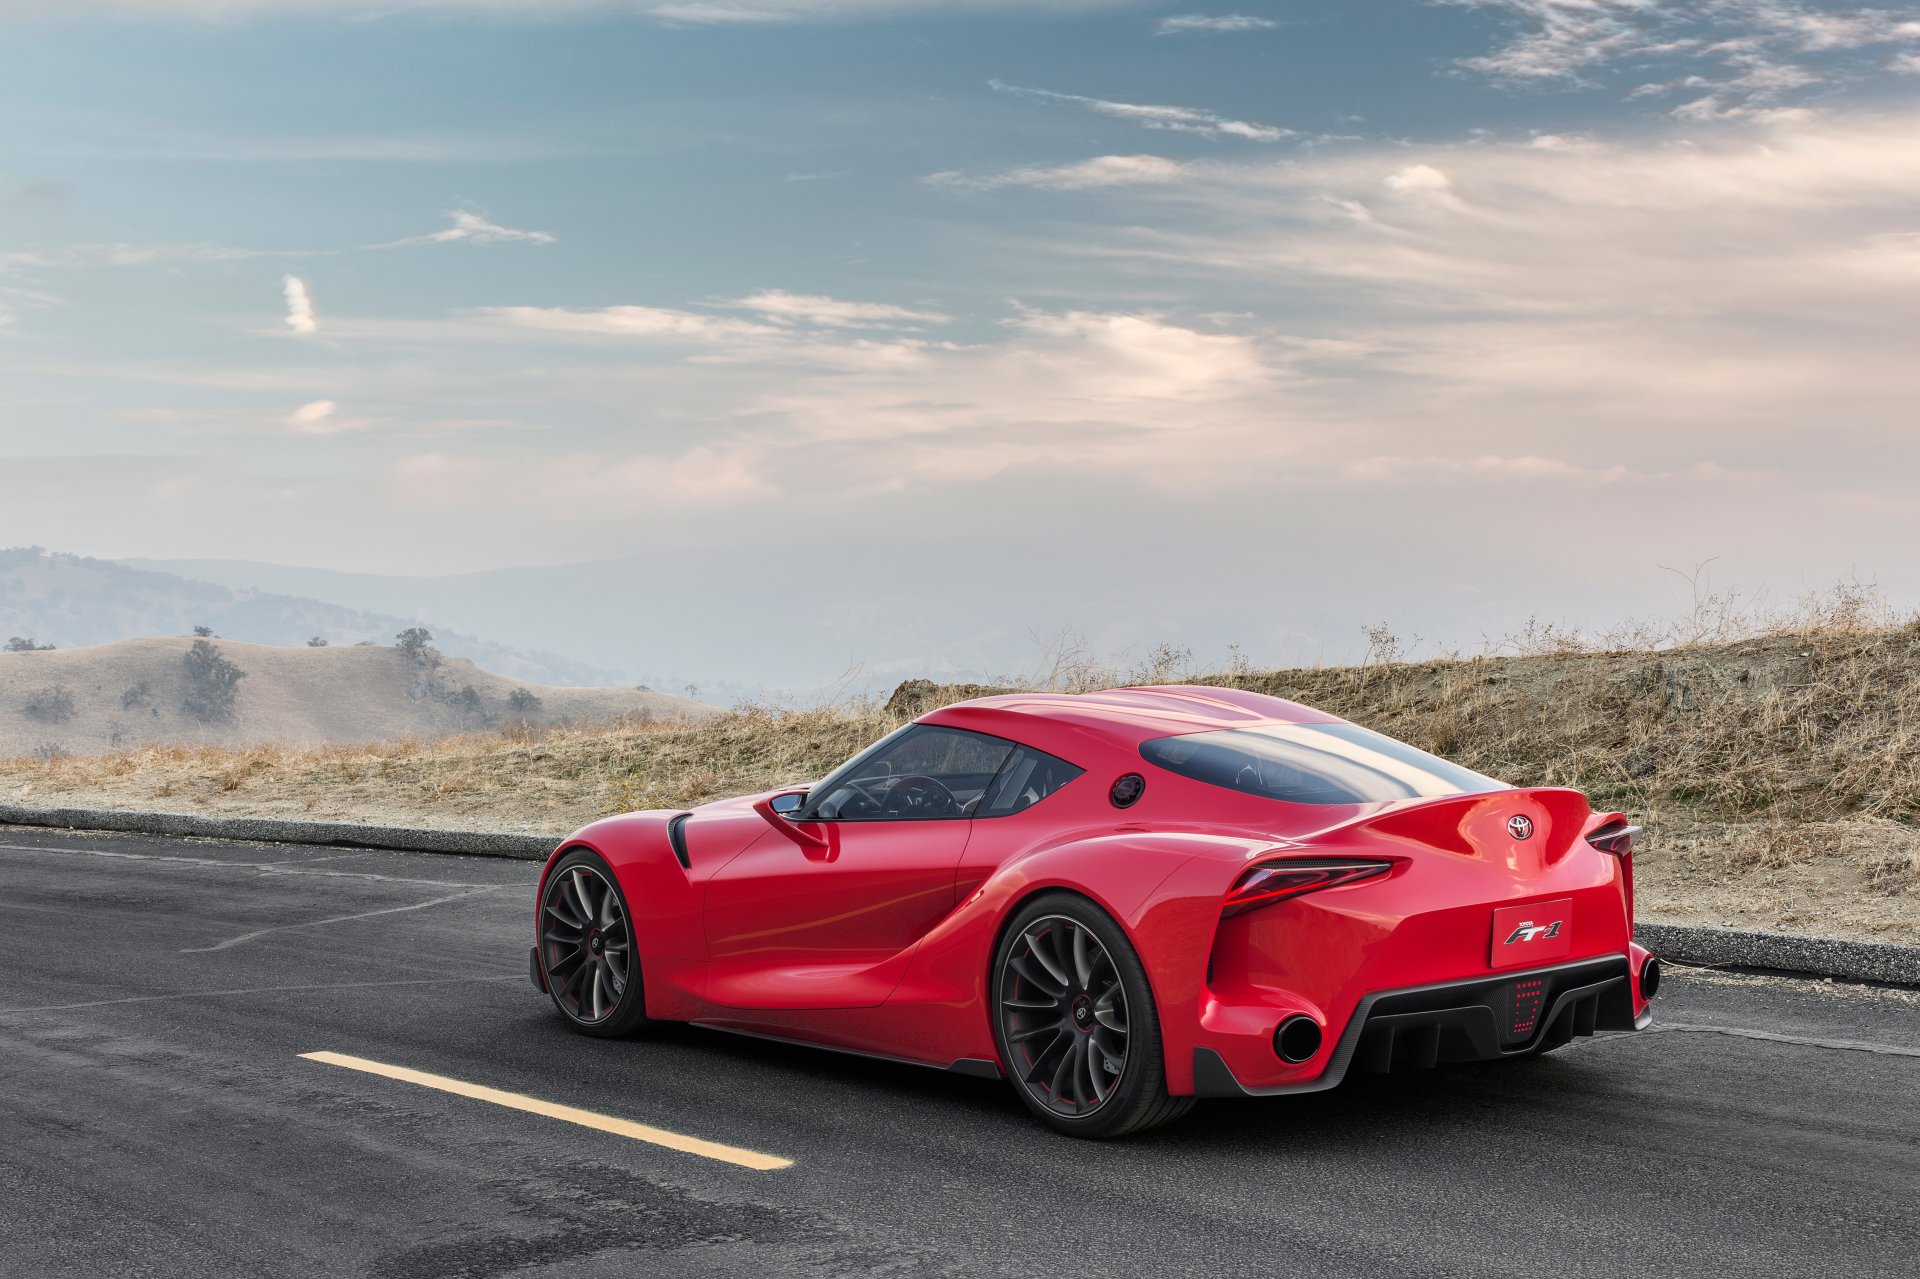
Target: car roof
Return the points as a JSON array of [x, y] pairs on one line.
[[1126, 716]]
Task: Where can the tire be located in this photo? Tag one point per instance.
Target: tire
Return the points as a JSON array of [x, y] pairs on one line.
[[1066, 978], [587, 955]]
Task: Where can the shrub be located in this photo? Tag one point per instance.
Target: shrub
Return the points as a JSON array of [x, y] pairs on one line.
[[523, 701], [25, 644], [54, 704], [140, 694], [317, 642], [211, 683]]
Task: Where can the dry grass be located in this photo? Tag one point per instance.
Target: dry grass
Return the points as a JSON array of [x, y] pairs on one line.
[[1778, 776], [521, 778]]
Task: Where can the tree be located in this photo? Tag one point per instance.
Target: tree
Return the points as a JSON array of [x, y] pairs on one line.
[[211, 683], [317, 642], [25, 644], [133, 695], [54, 704], [523, 701], [204, 632], [417, 643]]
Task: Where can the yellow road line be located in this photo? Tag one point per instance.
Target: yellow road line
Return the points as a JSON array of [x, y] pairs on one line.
[[568, 1114]]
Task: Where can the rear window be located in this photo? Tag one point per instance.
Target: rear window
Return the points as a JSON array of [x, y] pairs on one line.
[[1314, 764]]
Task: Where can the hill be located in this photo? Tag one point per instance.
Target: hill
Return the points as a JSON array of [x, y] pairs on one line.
[[70, 601], [1778, 777], [137, 692]]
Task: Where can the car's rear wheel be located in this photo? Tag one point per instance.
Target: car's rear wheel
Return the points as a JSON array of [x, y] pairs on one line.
[[1076, 1024], [586, 948]]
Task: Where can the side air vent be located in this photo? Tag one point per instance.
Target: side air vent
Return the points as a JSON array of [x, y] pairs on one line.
[[677, 840]]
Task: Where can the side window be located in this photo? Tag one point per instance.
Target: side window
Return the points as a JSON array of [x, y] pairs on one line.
[[1029, 777], [922, 774]]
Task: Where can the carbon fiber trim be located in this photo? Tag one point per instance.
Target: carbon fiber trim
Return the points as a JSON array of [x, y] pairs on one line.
[[677, 840]]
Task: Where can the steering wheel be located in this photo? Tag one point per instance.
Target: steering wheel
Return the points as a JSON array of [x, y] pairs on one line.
[[917, 795], [867, 798]]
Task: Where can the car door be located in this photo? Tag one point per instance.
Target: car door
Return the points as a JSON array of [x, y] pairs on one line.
[[797, 926]]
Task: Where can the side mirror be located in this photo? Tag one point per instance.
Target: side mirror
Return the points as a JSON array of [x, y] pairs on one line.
[[778, 810]]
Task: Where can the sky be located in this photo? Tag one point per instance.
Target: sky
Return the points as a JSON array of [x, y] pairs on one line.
[[972, 321]]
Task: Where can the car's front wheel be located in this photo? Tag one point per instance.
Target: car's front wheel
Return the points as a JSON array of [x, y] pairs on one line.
[[1076, 1024], [586, 948]]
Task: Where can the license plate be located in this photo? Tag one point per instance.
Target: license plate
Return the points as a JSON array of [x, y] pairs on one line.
[[1537, 933]]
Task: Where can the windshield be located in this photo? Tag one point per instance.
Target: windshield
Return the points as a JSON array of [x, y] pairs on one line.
[[1314, 764]]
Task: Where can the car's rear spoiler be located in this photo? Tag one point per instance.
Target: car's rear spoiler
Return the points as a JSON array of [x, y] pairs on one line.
[[1550, 818]]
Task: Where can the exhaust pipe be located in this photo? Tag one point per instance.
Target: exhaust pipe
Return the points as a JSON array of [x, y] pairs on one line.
[[1296, 1039], [1650, 978]]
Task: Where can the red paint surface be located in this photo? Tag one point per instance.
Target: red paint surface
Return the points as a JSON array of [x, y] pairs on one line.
[[880, 937]]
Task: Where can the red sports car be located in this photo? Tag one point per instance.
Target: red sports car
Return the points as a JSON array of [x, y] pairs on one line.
[[1120, 901]]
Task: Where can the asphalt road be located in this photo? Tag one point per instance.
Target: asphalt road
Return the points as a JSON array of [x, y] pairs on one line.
[[156, 1117]]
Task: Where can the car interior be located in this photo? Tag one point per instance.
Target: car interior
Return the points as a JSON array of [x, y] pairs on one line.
[[930, 773]]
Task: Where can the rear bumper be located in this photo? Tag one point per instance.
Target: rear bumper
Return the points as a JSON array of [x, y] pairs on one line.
[[1477, 1019]]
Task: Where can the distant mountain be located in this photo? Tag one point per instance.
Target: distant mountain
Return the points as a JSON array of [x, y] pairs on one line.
[[731, 623], [691, 621], [143, 692], [70, 601]]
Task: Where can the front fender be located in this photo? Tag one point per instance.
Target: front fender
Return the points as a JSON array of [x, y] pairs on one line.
[[663, 897]]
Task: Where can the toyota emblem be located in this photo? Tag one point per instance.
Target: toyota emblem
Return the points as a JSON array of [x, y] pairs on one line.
[[1520, 827]]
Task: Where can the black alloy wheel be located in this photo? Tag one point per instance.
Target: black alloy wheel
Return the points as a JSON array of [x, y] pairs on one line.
[[1064, 1015], [586, 948], [1076, 1024]]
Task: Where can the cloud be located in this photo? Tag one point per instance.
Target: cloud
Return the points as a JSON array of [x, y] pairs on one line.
[[1655, 289], [1742, 58], [1101, 171], [1565, 36], [1177, 119], [83, 256], [807, 393], [630, 322], [785, 319], [300, 314], [1093, 390], [782, 307], [721, 14], [1419, 180], [1212, 24], [703, 476], [472, 228], [677, 13], [312, 419], [1907, 64], [1488, 467]]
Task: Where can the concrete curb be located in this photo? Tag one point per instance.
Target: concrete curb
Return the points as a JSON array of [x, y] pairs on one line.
[[278, 831], [1815, 956]]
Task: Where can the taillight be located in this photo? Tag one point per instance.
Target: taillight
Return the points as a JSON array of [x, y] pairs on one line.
[[1276, 881], [1616, 839]]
